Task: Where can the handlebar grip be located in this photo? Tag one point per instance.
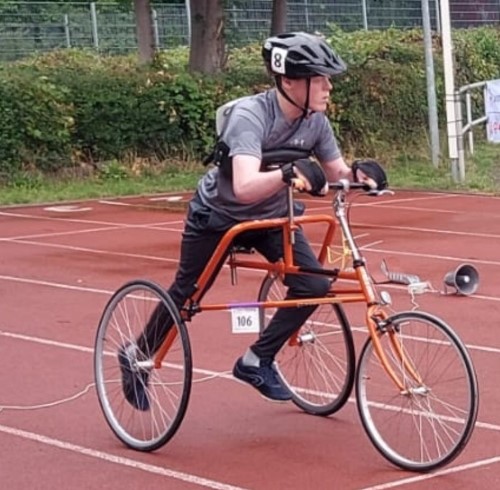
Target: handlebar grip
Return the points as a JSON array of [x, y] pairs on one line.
[[346, 185]]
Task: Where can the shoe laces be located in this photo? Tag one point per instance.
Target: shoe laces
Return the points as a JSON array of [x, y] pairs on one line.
[[269, 372]]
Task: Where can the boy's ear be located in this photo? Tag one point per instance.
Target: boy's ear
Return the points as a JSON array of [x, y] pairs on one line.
[[286, 82]]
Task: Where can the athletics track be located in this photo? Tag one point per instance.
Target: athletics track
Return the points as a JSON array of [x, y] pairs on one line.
[[59, 265]]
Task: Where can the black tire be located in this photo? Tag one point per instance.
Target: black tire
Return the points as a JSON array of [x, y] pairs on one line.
[[319, 369], [428, 423], [167, 386]]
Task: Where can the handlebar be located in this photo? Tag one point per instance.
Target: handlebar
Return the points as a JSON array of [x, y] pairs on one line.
[[346, 185], [274, 159]]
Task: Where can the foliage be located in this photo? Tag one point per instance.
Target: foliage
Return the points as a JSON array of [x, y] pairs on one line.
[[35, 123], [381, 102], [70, 108], [477, 53]]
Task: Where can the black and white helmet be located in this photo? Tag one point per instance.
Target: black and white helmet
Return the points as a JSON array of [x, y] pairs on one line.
[[301, 55]]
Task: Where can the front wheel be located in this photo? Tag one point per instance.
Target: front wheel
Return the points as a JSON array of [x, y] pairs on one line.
[[428, 422], [318, 362], [158, 394]]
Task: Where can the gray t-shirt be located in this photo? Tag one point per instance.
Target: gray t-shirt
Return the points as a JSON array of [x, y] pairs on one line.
[[253, 125]]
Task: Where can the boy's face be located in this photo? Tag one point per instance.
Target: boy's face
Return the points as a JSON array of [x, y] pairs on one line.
[[319, 92]]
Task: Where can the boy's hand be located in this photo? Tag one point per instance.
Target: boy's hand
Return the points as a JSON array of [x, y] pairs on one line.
[[370, 172], [312, 175]]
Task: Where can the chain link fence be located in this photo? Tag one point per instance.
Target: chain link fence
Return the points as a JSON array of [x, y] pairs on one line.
[[28, 27]]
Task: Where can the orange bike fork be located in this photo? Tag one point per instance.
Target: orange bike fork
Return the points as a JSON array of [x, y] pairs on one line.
[[396, 348]]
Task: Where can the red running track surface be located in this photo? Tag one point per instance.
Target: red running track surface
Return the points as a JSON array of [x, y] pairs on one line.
[[59, 265]]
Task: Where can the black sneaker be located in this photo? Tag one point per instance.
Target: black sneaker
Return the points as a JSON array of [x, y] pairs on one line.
[[264, 378], [134, 380]]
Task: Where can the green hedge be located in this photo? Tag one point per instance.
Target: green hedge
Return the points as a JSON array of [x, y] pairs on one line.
[[35, 123], [68, 107]]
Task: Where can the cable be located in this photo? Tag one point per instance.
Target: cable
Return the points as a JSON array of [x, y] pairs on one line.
[[49, 404], [225, 374], [417, 288]]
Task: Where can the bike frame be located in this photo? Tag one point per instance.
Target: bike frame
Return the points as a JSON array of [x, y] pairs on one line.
[[363, 290]]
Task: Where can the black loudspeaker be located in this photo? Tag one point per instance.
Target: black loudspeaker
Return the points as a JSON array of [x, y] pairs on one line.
[[465, 279]]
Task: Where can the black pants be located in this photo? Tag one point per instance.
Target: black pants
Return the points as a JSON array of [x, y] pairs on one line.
[[201, 235]]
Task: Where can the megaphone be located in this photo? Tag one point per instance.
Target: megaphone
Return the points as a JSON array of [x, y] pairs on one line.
[[465, 279]]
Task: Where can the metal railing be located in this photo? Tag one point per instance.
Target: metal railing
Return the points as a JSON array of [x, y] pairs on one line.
[[470, 122], [463, 96], [27, 27]]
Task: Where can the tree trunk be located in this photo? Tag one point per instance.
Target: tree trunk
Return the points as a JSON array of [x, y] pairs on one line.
[[207, 53], [279, 16], [144, 30]]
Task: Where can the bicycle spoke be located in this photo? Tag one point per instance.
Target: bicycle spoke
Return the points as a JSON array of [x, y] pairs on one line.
[[167, 387], [319, 368], [426, 424]]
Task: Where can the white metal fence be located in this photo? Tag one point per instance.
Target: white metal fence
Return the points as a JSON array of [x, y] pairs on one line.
[[27, 27]]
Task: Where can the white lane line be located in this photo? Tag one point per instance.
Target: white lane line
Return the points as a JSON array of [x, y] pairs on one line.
[[448, 471], [85, 221], [354, 224], [371, 244], [153, 226], [208, 374], [59, 219], [373, 202], [119, 460], [483, 348], [50, 343], [191, 478], [365, 248], [70, 208], [90, 350], [431, 256], [427, 230], [167, 198], [116, 203], [423, 210], [96, 251], [58, 234], [161, 259], [393, 204], [37, 282], [145, 205]]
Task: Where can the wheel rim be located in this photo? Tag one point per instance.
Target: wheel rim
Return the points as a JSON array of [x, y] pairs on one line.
[[168, 386], [315, 366], [426, 424], [318, 363]]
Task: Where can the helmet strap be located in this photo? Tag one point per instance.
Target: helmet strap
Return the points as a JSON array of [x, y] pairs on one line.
[[305, 110]]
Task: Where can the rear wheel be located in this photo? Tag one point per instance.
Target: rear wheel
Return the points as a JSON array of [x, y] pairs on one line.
[[427, 423], [318, 362], [165, 387]]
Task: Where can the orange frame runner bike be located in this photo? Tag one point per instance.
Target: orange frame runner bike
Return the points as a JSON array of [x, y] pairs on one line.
[[416, 387], [362, 293]]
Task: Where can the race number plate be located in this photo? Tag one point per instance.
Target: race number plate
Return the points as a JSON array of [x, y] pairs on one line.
[[245, 320], [278, 58]]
